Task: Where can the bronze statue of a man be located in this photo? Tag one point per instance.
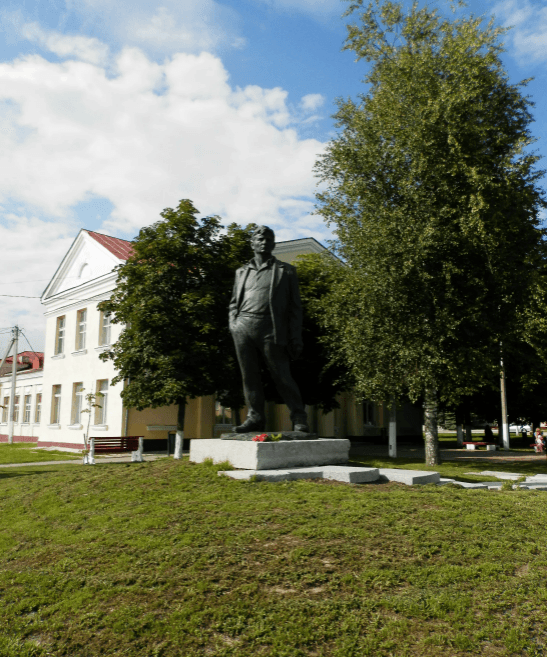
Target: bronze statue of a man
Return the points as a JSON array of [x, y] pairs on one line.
[[266, 317]]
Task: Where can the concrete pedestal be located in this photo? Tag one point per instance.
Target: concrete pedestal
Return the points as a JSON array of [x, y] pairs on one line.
[[269, 456]]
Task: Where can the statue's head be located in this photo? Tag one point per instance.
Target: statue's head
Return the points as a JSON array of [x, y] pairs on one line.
[[263, 240]]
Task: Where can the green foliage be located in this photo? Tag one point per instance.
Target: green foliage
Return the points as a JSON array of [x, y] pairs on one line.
[[320, 379], [167, 558], [172, 297], [433, 195]]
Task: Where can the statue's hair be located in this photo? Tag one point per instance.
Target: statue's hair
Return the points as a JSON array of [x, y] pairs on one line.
[[263, 229]]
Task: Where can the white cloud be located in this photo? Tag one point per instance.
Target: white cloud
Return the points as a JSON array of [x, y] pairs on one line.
[[172, 26], [87, 49], [311, 102], [32, 251], [68, 130], [529, 34]]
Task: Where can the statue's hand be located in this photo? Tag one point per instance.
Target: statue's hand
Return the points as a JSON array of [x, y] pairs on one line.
[[295, 350]]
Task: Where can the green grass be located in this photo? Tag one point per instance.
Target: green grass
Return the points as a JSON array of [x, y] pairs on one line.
[[166, 559], [27, 453]]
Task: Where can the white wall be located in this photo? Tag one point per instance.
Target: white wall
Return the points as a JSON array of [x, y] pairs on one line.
[[27, 383], [78, 366]]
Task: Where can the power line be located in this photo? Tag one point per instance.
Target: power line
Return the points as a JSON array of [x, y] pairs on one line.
[[28, 342], [22, 296]]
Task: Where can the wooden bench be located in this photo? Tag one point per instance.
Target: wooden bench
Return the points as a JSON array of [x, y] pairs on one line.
[[115, 445], [476, 443]]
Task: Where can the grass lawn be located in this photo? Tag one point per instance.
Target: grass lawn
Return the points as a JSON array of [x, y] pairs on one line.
[[27, 453], [167, 559]]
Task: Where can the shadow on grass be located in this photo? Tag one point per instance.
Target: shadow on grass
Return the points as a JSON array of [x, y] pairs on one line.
[[11, 474]]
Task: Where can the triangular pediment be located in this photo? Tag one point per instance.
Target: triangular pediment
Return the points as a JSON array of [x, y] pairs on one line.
[[85, 261]]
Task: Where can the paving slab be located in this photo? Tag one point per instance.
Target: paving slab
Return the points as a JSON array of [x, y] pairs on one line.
[[499, 475], [539, 478], [305, 473], [445, 480], [261, 475], [474, 484], [347, 474], [351, 475], [409, 477]]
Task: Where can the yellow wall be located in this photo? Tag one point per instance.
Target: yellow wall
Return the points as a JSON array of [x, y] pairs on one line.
[[198, 421]]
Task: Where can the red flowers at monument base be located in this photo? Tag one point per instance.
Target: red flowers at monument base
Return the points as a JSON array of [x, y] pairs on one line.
[[261, 438]]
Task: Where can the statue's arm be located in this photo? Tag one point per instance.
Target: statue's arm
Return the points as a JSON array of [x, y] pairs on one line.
[[232, 309]]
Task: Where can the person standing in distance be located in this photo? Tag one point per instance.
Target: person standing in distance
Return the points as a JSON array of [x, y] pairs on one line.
[[265, 317]]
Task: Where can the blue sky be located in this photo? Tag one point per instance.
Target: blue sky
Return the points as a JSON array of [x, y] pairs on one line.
[[111, 111]]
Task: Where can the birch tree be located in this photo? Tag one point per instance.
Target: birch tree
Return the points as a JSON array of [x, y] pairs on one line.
[[432, 191]]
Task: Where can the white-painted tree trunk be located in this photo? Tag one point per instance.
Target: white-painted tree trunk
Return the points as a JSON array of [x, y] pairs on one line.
[[432, 455], [393, 429], [179, 436]]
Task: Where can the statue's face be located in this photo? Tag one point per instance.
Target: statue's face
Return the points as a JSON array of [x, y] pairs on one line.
[[263, 243]]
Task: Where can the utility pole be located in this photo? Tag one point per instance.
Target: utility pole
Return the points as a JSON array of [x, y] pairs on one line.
[[504, 423], [15, 339]]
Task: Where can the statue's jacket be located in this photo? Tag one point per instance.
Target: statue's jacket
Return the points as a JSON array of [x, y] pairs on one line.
[[285, 303]]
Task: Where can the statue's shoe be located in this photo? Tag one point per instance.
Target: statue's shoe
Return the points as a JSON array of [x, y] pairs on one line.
[[248, 426], [302, 427]]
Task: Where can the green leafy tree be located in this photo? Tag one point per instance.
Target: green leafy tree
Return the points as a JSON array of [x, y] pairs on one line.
[[172, 297], [434, 199]]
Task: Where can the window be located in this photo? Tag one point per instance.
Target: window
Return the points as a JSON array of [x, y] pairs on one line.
[[38, 408], [81, 324], [56, 405], [5, 410], [16, 409], [223, 415], [26, 418], [60, 335], [77, 403], [104, 329], [100, 413]]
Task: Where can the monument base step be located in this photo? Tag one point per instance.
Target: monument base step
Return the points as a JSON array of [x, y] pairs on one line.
[[345, 473], [249, 455]]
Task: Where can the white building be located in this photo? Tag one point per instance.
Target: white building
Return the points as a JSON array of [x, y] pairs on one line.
[[76, 333]]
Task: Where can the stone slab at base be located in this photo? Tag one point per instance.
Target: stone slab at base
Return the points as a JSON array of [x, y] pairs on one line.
[[248, 455], [409, 477]]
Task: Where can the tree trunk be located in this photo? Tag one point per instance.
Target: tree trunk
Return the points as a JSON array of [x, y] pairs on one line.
[[459, 416], [459, 435], [432, 455], [180, 429], [392, 429]]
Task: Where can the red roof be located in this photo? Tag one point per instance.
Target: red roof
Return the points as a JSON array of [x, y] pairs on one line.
[[122, 249]]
